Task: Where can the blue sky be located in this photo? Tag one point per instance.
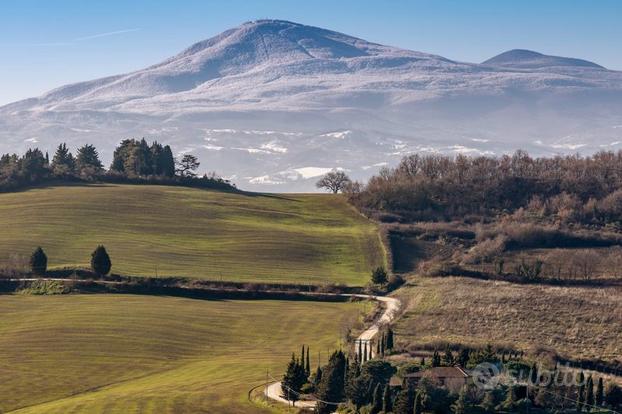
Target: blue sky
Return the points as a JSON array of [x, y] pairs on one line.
[[45, 44]]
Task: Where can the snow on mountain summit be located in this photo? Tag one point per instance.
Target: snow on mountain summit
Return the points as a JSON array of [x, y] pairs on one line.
[[270, 100], [528, 59]]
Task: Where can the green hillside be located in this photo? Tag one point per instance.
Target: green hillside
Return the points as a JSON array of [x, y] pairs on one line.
[[176, 231], [146, 354]]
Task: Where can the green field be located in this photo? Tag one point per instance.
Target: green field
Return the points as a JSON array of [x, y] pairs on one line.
[[147, 354], [176, 231]]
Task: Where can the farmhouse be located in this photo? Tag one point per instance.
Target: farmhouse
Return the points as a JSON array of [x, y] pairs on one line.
[[451, 378]]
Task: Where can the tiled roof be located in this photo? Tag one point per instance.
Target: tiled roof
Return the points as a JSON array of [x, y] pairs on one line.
[[440, 372]]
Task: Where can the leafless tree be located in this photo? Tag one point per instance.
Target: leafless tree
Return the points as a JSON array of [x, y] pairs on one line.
[[334, 181]]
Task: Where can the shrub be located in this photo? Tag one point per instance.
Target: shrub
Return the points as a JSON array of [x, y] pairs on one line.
[[379, 276], [100, 261], [38, 261]]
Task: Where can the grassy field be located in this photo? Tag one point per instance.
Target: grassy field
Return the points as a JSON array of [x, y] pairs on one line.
[[144, 354], [177, 231], [576, 322]]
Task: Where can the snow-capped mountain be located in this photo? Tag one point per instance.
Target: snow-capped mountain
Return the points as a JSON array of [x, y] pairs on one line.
[[273, 104]]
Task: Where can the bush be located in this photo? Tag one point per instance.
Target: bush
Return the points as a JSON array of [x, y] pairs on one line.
[[100, 261], [379, 276], [38, 261]]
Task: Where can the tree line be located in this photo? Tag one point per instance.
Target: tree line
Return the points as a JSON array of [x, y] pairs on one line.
[[133, 161], [424, 187]]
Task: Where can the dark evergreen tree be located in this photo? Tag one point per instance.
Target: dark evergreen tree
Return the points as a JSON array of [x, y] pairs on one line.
[[389, 344], [379, 276], [88, 164], [463, 357], [331, 388], [533, 375], [436, 359], [63, 164], [38, 261], [167, 162], [417, 405], [448, 357], [600, 392], [293, 380], [589, 393], [613, 395], [308, 364], [32, 166], [387, 401], [317, 378], [100, 261], [405, 401], [376, 405]]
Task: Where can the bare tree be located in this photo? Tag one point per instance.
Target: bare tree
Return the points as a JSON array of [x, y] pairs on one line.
[[334, 181], [187, 166]]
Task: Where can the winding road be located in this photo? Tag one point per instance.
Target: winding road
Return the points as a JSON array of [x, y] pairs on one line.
[[391, 307]]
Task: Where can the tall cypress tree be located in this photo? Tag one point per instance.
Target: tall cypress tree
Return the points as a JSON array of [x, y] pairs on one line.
[[589, 393], [387, 402], [308, 364], [331, 388], [600, 393], [376, 405], [389, 339]]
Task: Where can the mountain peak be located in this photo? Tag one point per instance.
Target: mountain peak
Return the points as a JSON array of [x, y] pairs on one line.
[[528, 59]]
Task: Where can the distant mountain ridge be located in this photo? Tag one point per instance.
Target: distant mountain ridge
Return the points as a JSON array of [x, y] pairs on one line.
[[521, 58], [272, 104]]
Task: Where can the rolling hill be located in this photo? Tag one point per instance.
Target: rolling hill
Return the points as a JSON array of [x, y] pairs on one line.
[[148, 354], [175, 231], [274, 104]]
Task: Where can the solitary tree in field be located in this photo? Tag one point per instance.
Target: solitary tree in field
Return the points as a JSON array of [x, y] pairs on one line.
[[100, 261], [334, 181], [38, 261], [379, 276], [187, 166]]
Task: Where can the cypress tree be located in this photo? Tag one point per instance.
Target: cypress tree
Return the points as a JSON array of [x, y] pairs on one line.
[[365, 352], [382, 344], [318, 375], [376, 405], [302, 355], [331, 387], [390, 339], [417, 408], [387, 403], [308, 364], [405, 401], [38, 261], [378, 347], [600, 393], [100, 261], [448, 358], [436, 359], [360, 353], [293, 380], [589, 393], [370, 352], [534, 375]]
